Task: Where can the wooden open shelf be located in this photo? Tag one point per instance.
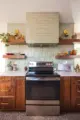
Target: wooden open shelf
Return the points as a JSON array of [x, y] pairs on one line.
[[14, 56], [67, 57], [68, 41], [13, 41]]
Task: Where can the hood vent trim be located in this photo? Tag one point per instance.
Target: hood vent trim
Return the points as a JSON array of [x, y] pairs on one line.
[[42, 44]]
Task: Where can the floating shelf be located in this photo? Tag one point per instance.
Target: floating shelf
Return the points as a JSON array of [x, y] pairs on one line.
[[68, 41], [13, 41], [14, 56], [67, 57]]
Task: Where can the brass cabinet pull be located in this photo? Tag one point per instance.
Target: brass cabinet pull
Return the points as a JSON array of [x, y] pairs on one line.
[[4, 103], [78, 81], [7, 97], [78, 104], [3, 90], [78, 91]]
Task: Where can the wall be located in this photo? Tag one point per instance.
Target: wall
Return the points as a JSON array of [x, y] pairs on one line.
[[37, 53], [15, 10], [3, 29], [77, 47]]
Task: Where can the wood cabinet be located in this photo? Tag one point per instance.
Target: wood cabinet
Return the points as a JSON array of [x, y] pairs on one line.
[[70, 94], [75, 93], [20, 93], [65, 94], [7, 92], [12, 93]]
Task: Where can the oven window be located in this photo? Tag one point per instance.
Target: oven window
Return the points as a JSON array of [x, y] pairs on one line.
[[43, 90]]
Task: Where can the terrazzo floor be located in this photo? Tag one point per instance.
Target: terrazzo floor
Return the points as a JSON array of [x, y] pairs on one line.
[[22, 116]]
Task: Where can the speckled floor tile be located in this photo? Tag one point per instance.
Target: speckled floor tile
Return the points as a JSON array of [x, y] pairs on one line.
[[23, 116]]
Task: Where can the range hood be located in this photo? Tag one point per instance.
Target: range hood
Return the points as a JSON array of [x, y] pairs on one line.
[[42, 44], [42, 28]]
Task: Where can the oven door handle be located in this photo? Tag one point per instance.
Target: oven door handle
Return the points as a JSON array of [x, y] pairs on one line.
[[43, 78]]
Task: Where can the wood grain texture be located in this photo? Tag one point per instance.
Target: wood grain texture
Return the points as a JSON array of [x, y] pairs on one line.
[[20, 93], [7, 86], [75, 93], [7, 93], [65, 94], [67, 57], [14, 56], [7, 103], [13, 41], [68, 41]]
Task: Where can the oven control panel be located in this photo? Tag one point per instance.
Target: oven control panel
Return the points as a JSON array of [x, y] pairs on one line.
[[41, 64]]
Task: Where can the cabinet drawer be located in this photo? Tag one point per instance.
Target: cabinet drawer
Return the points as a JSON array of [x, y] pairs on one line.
[[7, 103], [20, 78]]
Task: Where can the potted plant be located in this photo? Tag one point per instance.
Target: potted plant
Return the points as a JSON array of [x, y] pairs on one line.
[[7, 37], [4, 38], [65, 33], [9, 66]]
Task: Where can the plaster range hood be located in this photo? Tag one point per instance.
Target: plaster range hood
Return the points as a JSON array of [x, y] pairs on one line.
[[42, 28]]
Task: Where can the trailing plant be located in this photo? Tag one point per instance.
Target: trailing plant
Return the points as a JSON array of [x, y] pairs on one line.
[[4, 38]]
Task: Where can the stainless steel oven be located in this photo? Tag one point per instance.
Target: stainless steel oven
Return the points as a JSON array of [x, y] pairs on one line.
[[42, 91]]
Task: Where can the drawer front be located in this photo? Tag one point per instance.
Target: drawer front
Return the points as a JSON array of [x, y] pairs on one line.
[[33, 110], [78, 90], [7, 103], [77, 104], [20, 78], [7, 87]]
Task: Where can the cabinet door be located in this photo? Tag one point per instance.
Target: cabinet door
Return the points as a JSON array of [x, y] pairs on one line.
[[65, 94], [7, 93], [20, 93], [7, 86], [75, 93]]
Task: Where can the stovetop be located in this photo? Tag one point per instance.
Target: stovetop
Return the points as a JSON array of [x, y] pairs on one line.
[[33, 74]]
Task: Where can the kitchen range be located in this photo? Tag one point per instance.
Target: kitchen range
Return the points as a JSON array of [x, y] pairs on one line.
[[42, 89]]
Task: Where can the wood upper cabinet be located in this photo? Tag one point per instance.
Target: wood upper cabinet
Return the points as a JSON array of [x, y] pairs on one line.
[[20, 93], [75, 93], [65, 94], [7, 93]]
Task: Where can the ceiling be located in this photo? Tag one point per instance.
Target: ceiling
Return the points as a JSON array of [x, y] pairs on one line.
[[15, 10]]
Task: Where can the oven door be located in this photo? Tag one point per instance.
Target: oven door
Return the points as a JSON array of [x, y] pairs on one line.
[[42, 89]]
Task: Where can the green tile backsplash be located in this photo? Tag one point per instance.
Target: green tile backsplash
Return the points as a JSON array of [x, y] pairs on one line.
[[37, 54]]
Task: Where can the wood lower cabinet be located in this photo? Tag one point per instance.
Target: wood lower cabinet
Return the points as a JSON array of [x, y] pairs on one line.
[[12, 93], [7, 92], [20, 93], [75, 94], [65, 94], [7, 86], [70, 94]]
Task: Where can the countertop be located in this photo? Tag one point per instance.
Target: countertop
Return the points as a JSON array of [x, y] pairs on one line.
[[23, 73], [62, 73], [13, 73]]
